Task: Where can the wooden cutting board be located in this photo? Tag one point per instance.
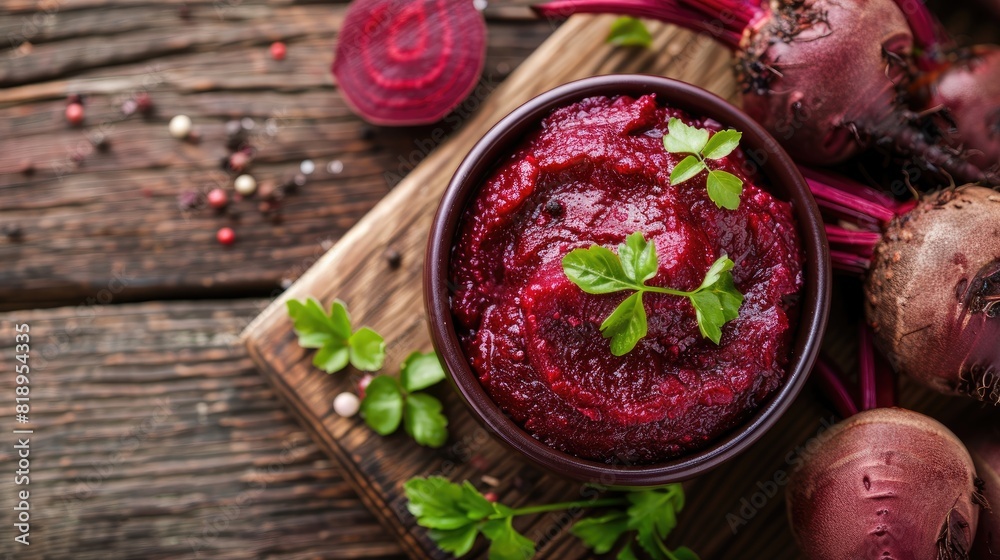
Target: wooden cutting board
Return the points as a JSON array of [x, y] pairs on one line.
[[732, 512]]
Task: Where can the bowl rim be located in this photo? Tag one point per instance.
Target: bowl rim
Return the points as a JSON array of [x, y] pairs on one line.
[[498, 142]]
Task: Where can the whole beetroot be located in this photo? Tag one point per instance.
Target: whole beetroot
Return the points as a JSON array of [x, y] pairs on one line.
[[819, 74], [933, 292], [983, 442], [969, 89], [886, 484]]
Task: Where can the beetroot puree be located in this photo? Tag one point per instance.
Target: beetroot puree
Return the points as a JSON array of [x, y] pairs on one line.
[[596, 172]]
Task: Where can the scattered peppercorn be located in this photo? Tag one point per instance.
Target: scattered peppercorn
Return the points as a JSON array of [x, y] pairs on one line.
[[393, 258], [491, 497], [226, 236], [346, 404], [100, 141], [180, 126], [27, 167], [143, 103], [278, 50], [236, 136], [188, 200], [554, 208], [12, 232], [268, 190], [238, 162], [74, 114], [245, 185], [218, 199]]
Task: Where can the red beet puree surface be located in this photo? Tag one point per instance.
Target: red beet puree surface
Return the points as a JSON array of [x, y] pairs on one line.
[[596, 172]]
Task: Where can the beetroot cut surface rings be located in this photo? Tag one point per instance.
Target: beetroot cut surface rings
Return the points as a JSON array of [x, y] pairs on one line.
[[404, 62]]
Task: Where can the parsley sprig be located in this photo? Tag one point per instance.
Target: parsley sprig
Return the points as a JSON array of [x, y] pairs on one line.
[[724, 188], [457, 513], [389, 402], [629, 32], [331, 334], [597, 270]]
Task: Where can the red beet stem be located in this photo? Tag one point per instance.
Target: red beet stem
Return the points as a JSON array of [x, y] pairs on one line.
[[736, 15], [849, 262], [927, 32], [885, 382], [866, 372], [668, 11], [850, 207], [860, 242], [833, 385]]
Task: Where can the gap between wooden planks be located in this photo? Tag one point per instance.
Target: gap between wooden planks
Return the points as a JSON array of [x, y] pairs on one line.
[[390, 301]]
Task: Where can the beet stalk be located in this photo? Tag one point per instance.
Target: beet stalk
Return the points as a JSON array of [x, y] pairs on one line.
[[408, 62], [886, 483], [933, 281]]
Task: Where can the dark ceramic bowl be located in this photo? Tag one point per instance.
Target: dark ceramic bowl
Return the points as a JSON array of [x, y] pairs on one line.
[[785, 182]]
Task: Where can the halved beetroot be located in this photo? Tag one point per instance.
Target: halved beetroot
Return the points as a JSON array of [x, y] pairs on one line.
[[407, 62]]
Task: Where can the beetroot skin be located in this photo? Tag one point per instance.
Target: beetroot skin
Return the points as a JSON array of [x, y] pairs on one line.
[[409, 62], [886, 484], [815, 71], [984, 446], [933, 293], [970, 91]]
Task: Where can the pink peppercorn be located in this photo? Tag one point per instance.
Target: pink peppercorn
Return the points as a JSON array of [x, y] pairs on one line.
[[278, 50], [226, 236]]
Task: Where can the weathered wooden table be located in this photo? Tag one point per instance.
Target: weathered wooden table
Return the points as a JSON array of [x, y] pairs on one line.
[[155, 437]]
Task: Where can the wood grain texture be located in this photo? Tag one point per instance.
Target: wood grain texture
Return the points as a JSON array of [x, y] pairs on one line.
[[114, 214], [156, 438]]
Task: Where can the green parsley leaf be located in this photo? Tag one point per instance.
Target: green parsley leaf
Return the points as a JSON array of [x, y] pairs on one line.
[[722, 264], [682, 138], [423, 420], [599, 271], [331, 335], [653, 515], [638, 258], [626, 553], [420, 371], [367, 350], [685, 553], [722, 144], [596, 270], [457, 513], [629, 32], [458, 542], [602, 532], [340, 321], [505, 542], [332, 357], [626, 325], [724, 189], [382, 407], [310, 323], [686, 169], [716, 301]]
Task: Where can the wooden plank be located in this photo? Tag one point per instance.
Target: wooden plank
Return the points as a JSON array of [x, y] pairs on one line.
[[156, 438], [81, 223], [350, 270]]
